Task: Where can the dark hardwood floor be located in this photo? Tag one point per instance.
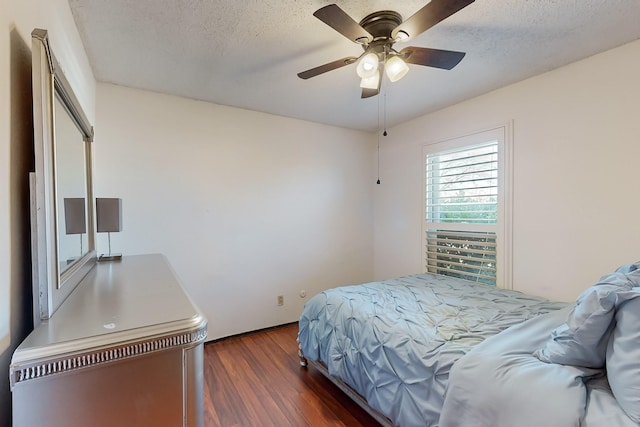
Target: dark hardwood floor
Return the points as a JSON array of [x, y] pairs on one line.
[[255, 380]]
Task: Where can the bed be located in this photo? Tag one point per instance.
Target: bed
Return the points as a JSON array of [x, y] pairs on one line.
[[431, 350]]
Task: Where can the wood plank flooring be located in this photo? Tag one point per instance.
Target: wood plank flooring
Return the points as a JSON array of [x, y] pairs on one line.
[[256, 380]]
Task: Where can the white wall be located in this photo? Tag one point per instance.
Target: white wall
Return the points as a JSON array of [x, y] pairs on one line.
[[576, 152], [245, 205], [17, 19]]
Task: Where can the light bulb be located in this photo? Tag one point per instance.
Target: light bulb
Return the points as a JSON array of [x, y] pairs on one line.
[[368, 65], [396, 68]]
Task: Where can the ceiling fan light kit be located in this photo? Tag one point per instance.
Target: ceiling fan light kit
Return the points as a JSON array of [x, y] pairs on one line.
[[370, 82], [396, 68], [368, 65], [377, 32]]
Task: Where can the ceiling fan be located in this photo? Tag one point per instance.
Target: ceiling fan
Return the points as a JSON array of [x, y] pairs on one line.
[[377, 32]]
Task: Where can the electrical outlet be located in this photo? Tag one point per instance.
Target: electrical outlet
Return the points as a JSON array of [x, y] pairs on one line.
[[280, 299]]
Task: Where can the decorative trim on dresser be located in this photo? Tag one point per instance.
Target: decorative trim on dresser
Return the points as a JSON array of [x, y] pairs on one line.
[[86, 360]]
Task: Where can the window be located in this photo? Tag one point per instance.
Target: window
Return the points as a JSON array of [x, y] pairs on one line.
[[466, 229]]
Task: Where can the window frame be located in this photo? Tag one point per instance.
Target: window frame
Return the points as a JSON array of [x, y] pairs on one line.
[[503, 226]]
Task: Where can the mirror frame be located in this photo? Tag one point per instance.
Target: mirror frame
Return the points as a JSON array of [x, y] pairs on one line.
[[50, 288]]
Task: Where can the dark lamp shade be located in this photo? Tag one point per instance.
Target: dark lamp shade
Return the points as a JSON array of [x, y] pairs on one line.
[[75, 218], [109, 215]]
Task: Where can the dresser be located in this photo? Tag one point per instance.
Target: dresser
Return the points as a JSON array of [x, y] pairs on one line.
[[124, 349]]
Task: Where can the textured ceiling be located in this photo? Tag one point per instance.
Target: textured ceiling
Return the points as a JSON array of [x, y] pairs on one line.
[[247, 53]]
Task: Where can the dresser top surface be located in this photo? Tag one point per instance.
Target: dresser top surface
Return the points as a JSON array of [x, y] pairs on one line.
[[116, 302]]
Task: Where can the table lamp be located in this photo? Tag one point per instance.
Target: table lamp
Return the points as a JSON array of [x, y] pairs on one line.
[[109, 220]]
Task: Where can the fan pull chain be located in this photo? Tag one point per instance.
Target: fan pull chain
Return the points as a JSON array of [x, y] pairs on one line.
[[378, 133], [384, 123]]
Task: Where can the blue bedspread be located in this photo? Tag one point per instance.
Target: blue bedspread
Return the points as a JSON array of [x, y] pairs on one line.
[[395, 341]]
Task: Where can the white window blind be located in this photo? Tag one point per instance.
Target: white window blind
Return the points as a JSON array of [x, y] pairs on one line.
[[463, 210], [462, 185]]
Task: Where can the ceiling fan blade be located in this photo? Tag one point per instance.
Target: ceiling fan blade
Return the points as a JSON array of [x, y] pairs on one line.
[[445, 59], [428, 16], [327, 67], [368, 93], [338, 19]]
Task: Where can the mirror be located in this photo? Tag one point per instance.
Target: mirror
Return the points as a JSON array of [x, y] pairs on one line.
[[71, 189], [62, 217]]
